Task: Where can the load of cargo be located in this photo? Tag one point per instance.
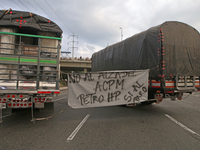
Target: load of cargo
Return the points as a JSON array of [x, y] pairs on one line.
[[171, 52]]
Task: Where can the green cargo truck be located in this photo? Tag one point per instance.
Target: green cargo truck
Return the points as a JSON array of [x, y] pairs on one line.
[[29, 60]]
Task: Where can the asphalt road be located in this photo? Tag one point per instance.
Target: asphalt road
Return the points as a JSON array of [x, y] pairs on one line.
[[173, 125]]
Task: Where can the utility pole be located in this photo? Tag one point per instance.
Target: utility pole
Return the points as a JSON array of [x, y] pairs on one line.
[[121, 33], [73, 42]]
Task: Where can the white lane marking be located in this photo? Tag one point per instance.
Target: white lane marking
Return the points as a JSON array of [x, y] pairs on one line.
[[182, 126], [60, 99], [7, 115], [78, 128]]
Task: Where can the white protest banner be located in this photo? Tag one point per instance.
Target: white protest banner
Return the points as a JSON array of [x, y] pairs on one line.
[[107, 88]]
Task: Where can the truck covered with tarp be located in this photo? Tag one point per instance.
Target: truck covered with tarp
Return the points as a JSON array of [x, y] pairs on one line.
[[171, 52], [29, 60]]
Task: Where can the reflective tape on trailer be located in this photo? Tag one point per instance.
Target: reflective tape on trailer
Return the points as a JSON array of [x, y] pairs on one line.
[[155, 84], [169, 91], [197, 83], [48, 92], [44, 92], [170, 84]]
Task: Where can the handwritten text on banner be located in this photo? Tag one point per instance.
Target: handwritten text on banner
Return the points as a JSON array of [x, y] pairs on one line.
[[107, 88]]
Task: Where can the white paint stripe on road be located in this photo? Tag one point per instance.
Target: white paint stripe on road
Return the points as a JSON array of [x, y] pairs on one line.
[[78, 128], [60, 99], [7, 115], [181, 125]]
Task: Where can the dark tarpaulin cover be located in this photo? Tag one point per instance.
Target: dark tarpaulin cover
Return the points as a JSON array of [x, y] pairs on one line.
[[29, 21], [180, 49]]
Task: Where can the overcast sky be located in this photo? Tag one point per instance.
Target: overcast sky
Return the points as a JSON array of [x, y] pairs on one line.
[[97, 22]]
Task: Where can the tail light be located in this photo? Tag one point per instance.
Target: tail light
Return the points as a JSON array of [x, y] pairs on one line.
[[39, 99]]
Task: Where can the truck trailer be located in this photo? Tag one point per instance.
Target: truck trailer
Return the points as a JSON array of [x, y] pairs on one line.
[[29, 60], [171, 52]]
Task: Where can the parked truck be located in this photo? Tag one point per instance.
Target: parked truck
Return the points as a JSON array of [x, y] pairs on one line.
[[171, 52], [29, 60]]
